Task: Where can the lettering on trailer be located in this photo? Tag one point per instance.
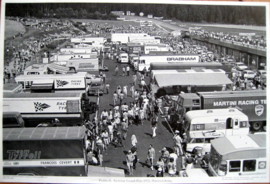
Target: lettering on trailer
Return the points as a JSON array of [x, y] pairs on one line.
[[45, 163], [61, 105], [151, 49], [76, 82], [86, 65], [259, 104], [136, 48], [240, 102], [40, 106], [181, 58], [23, 154]]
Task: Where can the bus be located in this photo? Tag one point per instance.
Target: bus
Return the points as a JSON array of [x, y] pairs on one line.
[[146, 60], [239, 156], [204, 125], [35, 108], [54, 82]]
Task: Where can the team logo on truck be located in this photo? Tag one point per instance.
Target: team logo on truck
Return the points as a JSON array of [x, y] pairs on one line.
[[40, 106], [259, 110], [61, 83]]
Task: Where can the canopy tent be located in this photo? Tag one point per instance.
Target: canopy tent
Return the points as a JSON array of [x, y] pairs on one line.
[[192, 79], [58, 68]]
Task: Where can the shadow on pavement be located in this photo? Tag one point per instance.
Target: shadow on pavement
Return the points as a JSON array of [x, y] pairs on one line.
[[165, 124]]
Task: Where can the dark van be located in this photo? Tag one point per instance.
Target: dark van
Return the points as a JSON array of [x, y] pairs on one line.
[[12, 120]]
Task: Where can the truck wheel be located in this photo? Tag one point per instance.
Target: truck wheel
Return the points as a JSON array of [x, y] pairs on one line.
[[257, 126]]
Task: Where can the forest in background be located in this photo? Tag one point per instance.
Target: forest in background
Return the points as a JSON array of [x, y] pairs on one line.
[[224, 14]]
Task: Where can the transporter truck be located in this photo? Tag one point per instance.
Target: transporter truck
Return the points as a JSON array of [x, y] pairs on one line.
[[49, 151], [35, 108], [252, 103]]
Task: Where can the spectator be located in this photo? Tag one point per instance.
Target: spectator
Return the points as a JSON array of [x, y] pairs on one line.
[[134, 140], [107, 88], [124, 71], [154, 127], [150, 156], [116, 70], [129, 159], [128, 69], [134, 152], [171, 167]]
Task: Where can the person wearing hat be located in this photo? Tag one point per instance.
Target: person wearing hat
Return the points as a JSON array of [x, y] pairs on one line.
[[178, 142], [129, 159]]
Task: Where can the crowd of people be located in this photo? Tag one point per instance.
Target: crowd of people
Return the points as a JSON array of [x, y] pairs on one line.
[[247, 41], [133, 104]]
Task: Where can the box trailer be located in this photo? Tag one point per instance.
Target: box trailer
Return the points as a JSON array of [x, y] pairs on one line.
[[35, 108], [49, 151]]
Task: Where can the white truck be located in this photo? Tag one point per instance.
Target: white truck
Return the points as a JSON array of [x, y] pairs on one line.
[[146, 60], [83, 65]]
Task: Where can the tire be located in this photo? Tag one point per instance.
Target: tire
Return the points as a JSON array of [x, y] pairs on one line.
[[257, 126]]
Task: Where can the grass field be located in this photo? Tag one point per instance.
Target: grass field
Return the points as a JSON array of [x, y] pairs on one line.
[[12, 28]]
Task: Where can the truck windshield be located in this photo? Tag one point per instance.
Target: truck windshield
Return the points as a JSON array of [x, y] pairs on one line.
[[216, 162]]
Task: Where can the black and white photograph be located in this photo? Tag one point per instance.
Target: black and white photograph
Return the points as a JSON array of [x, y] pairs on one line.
[[134, 91]]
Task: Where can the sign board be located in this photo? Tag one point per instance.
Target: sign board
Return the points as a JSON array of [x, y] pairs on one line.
[[150, 16], [146, 23], [247, 34]]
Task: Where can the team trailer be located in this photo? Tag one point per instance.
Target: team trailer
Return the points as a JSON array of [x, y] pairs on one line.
[[50, 151], [252, 103], [35, 108], [55, 82], [173, 82], [146, 60], [189, 65]]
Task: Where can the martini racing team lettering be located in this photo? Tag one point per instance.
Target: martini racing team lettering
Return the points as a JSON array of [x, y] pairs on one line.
[[240, 102], [181, 59], [23, 154]]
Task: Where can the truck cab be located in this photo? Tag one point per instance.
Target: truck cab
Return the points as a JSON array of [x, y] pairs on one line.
[[12, 119]]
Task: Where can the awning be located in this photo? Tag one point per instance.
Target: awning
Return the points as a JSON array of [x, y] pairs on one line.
[[58, 68], [42, 85], [193, 79]]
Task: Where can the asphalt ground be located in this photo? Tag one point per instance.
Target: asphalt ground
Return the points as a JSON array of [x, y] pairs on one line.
[[116, 157]]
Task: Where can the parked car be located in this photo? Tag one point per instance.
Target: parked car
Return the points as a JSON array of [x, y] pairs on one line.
[[96, 87], [241, 66], [248, 74]]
